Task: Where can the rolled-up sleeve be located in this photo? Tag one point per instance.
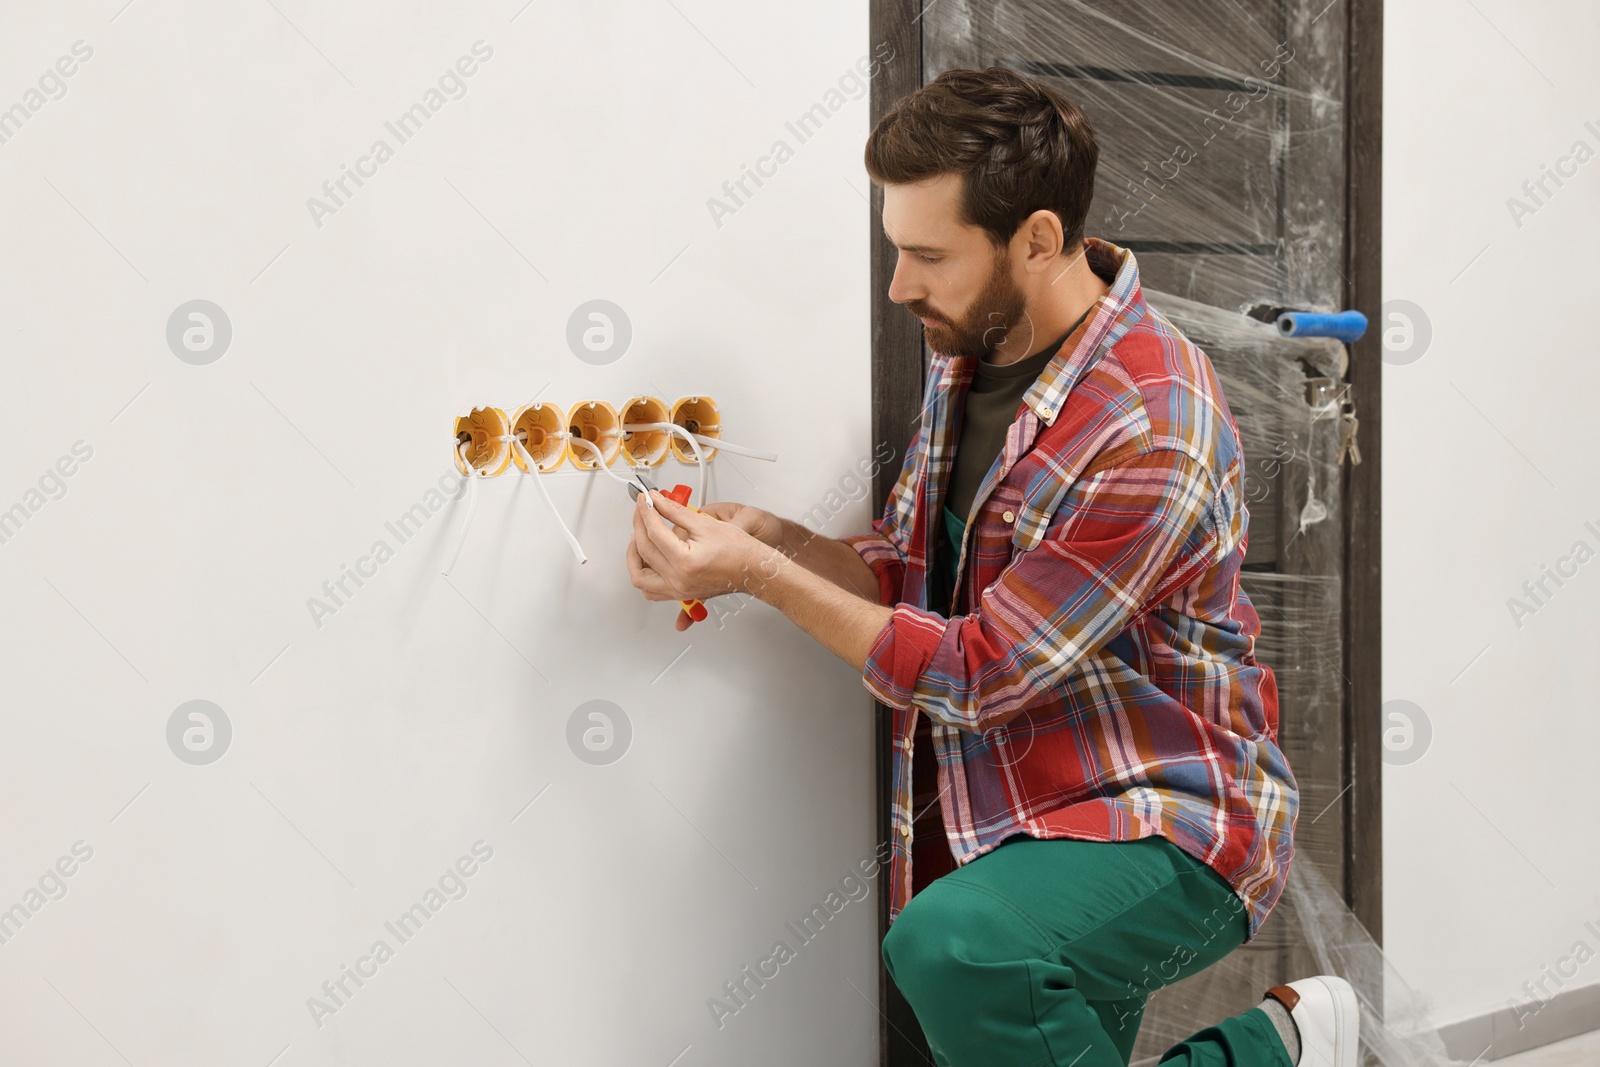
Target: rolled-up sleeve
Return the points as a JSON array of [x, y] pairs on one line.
[[887, 561], [887, 547], [1121, 540]]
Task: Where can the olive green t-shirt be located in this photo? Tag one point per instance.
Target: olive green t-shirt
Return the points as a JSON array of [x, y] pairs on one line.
[[991, 406]]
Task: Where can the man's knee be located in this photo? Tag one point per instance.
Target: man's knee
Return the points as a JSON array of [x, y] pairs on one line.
[[916, 950], [949, 934]]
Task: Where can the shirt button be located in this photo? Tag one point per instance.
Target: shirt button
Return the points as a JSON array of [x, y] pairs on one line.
[[905, 829], [1008, 516]]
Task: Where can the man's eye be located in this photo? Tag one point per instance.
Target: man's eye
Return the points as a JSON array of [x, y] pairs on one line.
[[928, 259]]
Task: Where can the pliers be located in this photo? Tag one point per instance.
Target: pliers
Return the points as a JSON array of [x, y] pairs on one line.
[[641, 483]]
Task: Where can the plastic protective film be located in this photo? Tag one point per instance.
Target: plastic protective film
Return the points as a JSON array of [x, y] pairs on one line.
[[1222, 168]]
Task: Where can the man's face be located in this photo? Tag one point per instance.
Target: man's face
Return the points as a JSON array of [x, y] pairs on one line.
[[949, 274]]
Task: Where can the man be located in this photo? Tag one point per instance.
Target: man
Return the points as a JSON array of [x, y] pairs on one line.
[[1051, 605]]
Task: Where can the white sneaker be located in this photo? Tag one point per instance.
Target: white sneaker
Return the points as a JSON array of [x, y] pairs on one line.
[[1328, 1017]]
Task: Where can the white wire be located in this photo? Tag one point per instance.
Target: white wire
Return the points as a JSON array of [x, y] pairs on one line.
[[472, 503], [694, 446], [738, 450], [538, 480], [600, 460], [693, 440]]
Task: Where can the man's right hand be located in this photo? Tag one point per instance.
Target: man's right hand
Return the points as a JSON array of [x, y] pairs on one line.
[[816, 552], [762, 525]]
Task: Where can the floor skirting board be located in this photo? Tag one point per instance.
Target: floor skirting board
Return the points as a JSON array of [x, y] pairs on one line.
[[1510, 1030]]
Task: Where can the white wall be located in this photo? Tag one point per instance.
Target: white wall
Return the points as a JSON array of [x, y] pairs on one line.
[[1490, 864], [370, 752]]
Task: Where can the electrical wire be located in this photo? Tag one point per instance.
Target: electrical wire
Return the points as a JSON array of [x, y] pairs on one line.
[[533, 471], [600, 460], [472, 504], [689, 438], [738, 450], [693, 440]]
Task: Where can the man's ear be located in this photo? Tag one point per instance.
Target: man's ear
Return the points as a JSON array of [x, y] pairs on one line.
[[1045, 239]]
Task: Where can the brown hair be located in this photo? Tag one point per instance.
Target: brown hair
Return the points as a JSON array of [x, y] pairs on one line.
[[1020, 145]]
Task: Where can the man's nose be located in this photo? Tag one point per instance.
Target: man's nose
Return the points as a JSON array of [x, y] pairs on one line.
[[902, 290]]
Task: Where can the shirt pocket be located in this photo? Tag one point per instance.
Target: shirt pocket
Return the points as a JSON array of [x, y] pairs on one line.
[[1034, 513], [990, 538]]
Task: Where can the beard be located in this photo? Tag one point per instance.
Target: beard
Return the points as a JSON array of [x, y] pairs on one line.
[[998, 307]]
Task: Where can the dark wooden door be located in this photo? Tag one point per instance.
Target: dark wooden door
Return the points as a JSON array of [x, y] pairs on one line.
[[1238, 160]]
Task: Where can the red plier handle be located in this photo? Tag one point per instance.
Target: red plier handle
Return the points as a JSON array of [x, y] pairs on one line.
[[695, 609]]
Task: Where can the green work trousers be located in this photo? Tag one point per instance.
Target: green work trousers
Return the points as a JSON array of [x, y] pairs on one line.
[[1043, 953]]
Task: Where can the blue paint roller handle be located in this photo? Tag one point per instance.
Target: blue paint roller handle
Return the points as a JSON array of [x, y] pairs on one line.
[[1346, 326]]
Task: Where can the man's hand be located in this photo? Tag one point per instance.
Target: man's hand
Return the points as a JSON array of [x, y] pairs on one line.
[[679, 554], [764, 526]]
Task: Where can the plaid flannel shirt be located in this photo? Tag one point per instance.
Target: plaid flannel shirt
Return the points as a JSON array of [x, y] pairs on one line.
[[1105, 685]]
